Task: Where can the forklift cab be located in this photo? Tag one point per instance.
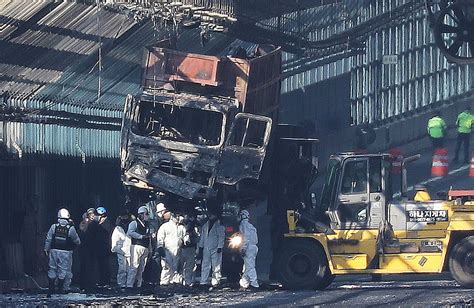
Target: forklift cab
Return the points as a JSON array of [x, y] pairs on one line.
[[356, 191], [372, 234], [358, 194]]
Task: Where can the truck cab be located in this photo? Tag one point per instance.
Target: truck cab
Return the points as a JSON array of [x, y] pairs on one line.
[[201, 122], [372, 231]]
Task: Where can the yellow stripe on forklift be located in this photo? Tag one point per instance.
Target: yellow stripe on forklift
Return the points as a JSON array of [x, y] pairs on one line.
[[398, 264]]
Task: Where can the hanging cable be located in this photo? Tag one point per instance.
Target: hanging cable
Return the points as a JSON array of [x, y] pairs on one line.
[[99, 87], [81, 82]]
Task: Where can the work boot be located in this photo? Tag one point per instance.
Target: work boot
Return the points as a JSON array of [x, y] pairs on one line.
[[51, 282], [61, 286], [254, 288]]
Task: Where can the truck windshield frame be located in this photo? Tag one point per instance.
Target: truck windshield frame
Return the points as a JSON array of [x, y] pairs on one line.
[[182, 124]]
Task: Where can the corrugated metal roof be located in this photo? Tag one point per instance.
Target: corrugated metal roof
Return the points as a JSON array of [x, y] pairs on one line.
[[50, 40], [14, 13], [49, 59]]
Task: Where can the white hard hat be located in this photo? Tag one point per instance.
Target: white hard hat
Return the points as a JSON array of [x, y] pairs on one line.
[[64, 213], [160, 207], [244, 214], [142, 209]]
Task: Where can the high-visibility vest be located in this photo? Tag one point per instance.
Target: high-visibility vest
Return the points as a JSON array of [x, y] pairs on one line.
[[436, 127], [464, 122]]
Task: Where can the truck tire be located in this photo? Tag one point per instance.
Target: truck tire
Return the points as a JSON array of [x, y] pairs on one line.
[[303, 265], [461, 262], [233, 276], [232, 270]]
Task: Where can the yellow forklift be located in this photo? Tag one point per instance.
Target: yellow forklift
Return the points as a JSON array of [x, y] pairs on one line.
[[369, 230]]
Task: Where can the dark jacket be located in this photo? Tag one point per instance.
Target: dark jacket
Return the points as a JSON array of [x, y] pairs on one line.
[[104, 235]]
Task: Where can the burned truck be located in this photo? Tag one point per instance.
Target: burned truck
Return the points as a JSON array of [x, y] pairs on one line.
[[202, 125], [203, 133]]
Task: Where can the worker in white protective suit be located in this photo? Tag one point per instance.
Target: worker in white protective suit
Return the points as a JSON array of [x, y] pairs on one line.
[[160, 210], [120, 245], [139, 232], [248, 251], [210, 245], [169, 241], [60, 241]]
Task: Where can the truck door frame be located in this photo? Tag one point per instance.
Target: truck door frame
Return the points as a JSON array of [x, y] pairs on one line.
[[243, 161]]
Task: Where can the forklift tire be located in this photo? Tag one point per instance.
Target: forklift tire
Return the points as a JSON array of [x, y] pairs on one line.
[[303, 265], [328, 279], [461, 262]]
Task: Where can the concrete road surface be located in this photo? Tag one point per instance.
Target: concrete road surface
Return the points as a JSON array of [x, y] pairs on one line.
[[408, 290]]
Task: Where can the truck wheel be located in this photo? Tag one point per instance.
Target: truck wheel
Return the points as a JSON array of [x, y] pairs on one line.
[[461, 262], [303, 265], [233, 276], [232, 270]]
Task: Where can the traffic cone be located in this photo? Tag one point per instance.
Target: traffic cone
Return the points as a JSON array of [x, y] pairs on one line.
[[397, 160], [440, 162], [471, 169]]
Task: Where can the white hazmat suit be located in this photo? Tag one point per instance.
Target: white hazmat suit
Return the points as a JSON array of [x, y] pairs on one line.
[[170, 239], [210, 241], [139, 233], [121, 244], [249, 252], [60, 241]]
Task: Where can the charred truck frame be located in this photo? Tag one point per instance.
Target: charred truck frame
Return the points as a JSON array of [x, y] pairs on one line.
[[200, 131], [205, 128], [202, 123]]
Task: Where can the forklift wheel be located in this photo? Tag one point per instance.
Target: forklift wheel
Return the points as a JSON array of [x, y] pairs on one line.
[[328, 279], [303, 265], [461, 262]]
